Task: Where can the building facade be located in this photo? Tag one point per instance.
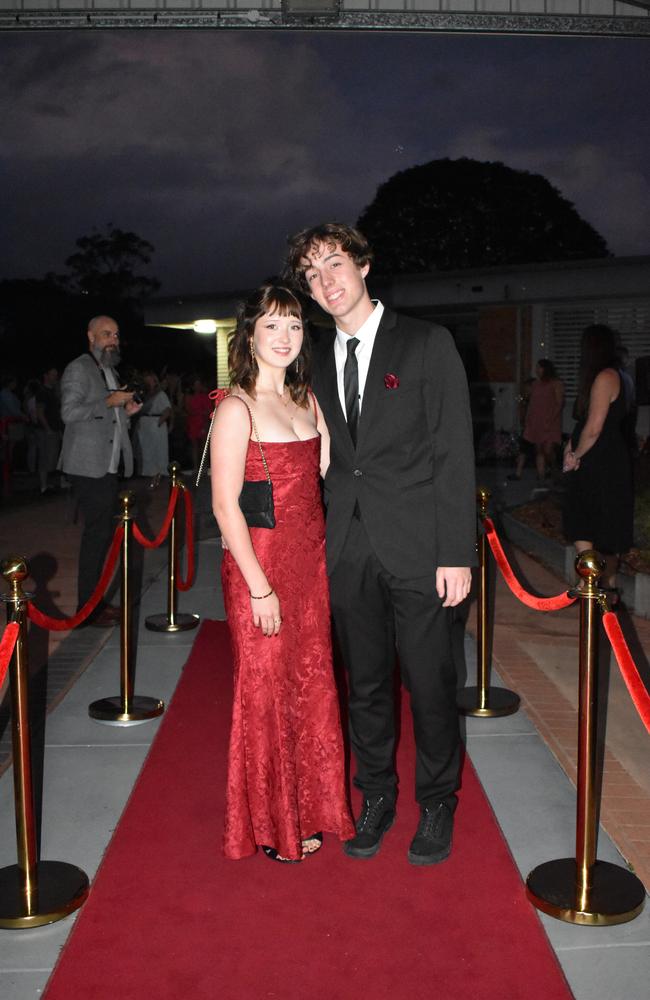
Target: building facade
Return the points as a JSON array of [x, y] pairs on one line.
[[503, 320]]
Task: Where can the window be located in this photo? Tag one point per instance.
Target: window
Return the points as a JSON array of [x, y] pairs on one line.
[[563, 326]]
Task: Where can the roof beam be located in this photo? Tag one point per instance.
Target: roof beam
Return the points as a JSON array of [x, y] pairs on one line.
[[347, 20]]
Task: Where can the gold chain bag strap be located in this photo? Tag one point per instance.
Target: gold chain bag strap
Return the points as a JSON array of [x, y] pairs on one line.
[[256, 497]]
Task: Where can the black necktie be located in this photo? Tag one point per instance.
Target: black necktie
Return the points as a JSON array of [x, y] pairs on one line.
[[351, 388]]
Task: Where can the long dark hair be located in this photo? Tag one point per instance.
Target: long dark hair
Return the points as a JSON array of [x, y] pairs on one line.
[[242, 365], [597, 352]]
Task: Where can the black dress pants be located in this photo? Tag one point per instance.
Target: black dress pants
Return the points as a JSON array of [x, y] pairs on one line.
[[376, 614], [97, 500]]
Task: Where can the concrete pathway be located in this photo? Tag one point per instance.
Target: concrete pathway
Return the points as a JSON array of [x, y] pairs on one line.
[[537, 655]]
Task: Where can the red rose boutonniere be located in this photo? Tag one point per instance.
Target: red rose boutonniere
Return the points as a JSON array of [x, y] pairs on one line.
[[391, 381]]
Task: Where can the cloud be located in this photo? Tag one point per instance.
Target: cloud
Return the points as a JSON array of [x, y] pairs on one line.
[[215, 145], [184, 143]]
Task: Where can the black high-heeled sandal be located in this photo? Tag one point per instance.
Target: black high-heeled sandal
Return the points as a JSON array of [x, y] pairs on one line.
[[274, 856], [315, 836]]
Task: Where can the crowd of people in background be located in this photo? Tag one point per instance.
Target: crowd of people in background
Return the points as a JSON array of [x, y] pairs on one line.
[[171, 426], [542, 418]]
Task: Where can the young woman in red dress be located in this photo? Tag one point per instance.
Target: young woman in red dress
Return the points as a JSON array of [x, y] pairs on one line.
[[286, 778]]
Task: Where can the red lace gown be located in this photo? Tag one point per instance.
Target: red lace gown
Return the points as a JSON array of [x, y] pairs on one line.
[[286, 773]]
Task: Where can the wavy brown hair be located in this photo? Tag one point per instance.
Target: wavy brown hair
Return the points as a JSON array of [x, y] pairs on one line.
[[351, 241], [268, 299]]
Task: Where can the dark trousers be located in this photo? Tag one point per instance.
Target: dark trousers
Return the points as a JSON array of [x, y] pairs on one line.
[[375, 613], [97, 500]]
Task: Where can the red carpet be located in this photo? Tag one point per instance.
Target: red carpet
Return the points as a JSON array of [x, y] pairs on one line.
[[168, 917]]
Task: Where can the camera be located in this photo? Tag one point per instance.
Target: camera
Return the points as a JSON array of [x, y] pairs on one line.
[[138, 391]]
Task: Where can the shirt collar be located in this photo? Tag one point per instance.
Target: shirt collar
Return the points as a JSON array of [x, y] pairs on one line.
[[368, 330]]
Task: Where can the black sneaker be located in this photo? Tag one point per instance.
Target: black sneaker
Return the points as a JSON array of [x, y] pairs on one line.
[[432, 841], [377, 816]]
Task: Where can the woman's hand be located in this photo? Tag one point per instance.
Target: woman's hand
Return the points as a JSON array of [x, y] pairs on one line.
[[571, 462], [266, 614]]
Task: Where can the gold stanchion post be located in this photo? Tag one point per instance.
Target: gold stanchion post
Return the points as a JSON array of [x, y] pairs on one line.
[[583, 890], [484, 701], [126, 709], [33, 892], [173, 621]]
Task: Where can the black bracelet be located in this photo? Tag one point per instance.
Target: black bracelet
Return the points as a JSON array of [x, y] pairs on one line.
[[261, 596]]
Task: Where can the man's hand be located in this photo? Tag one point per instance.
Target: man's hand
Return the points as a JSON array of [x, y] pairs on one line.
[[119, 397], [131, 408], [453, 584]]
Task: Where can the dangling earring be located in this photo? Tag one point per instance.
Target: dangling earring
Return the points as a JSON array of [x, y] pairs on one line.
[[298, 365], [251, 346]]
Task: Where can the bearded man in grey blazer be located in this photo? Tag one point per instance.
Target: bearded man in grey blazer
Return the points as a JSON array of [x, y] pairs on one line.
[[96, 449], [401, 529]]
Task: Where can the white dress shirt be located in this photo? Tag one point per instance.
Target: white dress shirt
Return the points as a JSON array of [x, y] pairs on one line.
[[112, 384], [366, 337]]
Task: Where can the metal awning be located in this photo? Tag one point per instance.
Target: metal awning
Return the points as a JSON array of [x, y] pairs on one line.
[[530, 17]]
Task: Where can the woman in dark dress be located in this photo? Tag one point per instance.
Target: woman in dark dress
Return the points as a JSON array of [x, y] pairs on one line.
[[599, 503], [286, 775]]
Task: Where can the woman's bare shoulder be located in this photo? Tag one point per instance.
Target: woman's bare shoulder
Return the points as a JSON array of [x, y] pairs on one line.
[[606, 386], [232, 409], [608, 378]]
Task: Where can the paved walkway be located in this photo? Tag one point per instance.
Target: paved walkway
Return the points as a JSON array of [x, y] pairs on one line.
[[89, 769], [537, 655], [46, 532]]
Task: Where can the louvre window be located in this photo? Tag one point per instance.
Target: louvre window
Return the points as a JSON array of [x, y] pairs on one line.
[[563, 328]]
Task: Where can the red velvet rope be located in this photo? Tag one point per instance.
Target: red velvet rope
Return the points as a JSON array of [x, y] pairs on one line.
[[153, 543], [633, 682], [189, 542], [537, 603], [7, 644], [61, 624]]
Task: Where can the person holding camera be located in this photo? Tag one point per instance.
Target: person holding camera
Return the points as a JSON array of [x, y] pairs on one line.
[[96, 450]]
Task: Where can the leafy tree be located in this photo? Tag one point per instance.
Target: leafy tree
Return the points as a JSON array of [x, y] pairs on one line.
[[450, 214], [44, 321], [105, 267]]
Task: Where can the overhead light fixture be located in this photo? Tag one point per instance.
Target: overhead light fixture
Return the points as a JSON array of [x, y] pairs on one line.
[[204, 326], [330, 9]]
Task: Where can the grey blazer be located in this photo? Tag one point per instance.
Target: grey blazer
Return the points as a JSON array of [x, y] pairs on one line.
[[89, 424]]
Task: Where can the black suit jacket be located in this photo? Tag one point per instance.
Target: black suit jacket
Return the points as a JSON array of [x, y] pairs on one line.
[[412, 471]]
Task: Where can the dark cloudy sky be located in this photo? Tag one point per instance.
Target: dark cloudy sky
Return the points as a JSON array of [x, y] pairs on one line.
[[215, 145]]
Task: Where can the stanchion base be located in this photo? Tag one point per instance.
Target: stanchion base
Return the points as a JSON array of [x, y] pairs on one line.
[[615, 897], [62, 888], [109, 711], [500, 701], [182, 623]]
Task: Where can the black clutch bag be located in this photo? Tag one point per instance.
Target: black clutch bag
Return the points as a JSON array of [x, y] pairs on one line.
[[256, 497], [256, 503]]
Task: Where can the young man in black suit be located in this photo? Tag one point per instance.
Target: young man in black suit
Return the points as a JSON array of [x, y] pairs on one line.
[[401, 529]]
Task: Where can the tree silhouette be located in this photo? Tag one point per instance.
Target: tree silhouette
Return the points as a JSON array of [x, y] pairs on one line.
[[450, 214], [104, 267]]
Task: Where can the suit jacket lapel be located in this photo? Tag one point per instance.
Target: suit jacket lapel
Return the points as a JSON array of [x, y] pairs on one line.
[[382, 352], [329, 396]]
